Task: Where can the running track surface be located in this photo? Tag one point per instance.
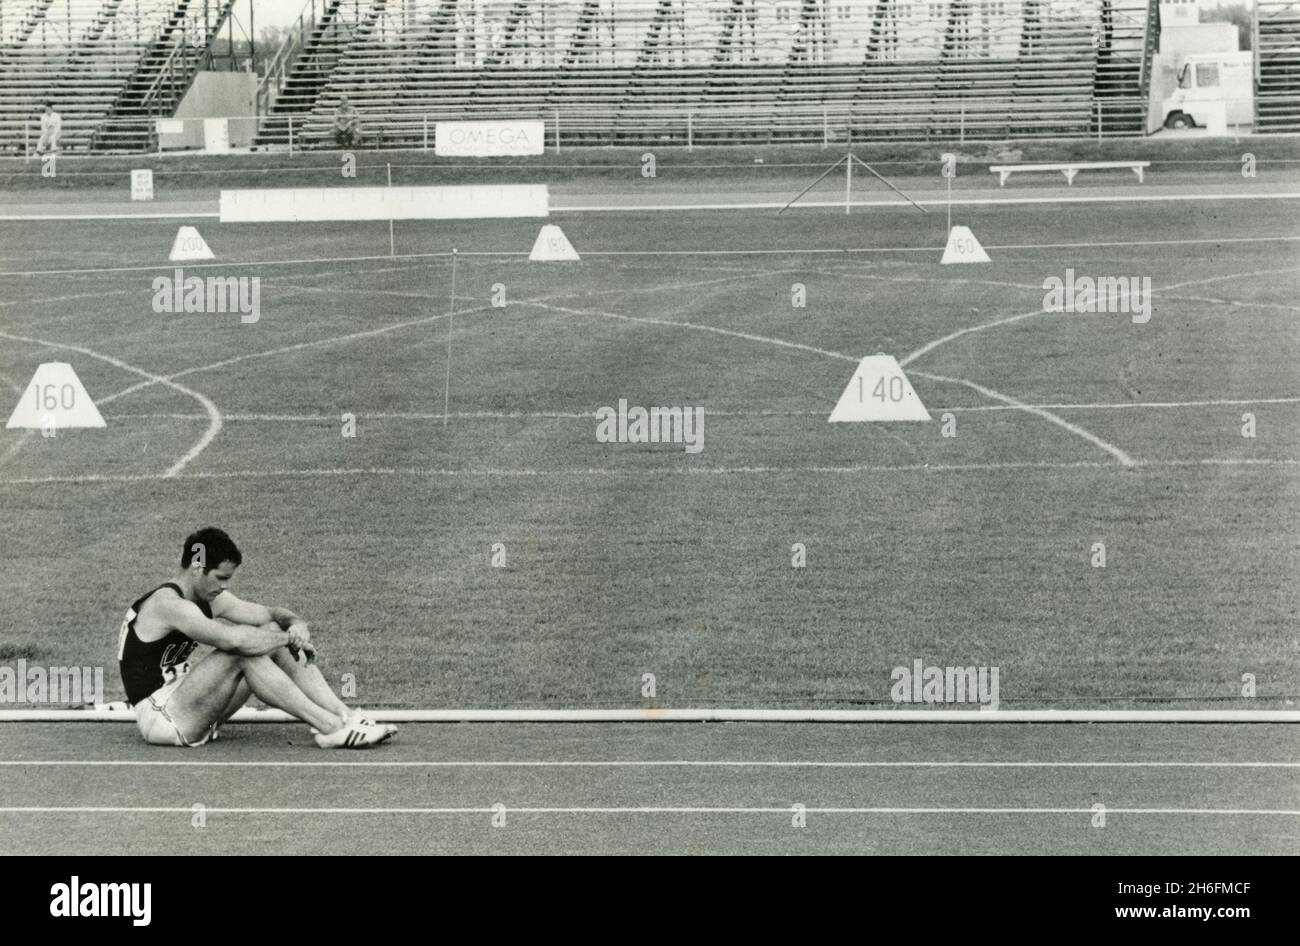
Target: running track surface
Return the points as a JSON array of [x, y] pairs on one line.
[[901, 789]]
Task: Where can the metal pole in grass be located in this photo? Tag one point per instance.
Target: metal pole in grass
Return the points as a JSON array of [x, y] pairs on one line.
[[820, 177], [848, 181], [451, 321], [392, 243], [950, 205], [876, 174]]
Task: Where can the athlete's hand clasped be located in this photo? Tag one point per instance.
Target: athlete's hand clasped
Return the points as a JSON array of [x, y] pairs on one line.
[[300, 640]]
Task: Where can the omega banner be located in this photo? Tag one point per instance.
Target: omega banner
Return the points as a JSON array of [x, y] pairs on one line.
[[489, 139]]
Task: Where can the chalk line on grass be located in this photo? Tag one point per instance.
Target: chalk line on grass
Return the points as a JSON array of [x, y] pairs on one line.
[[819, 412], [1116, 452], [642, 473], [214, 415]]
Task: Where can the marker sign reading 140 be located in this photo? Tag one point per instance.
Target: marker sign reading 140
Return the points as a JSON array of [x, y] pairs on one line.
[[893, 391]]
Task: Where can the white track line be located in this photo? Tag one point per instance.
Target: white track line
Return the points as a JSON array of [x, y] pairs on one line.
[[1227, 276], [214, 415], [722, 714], [1123, 405], [1061, 422], [1122, 243], [17, 445], [637, 810], [99, 294], [643, 473], [629, 764], [560, 208], [968, 330], [691, 325], [936, 251], [1234, 303], [155, 215], [333, 339], [983, 326], [1114, 451], [743, 415], [23, 437], [928, 279]]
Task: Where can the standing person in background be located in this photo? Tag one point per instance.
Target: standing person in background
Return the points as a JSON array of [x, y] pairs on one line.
[[51, 128]]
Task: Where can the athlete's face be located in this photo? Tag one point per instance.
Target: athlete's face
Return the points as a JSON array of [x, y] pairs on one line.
[[210, 584]]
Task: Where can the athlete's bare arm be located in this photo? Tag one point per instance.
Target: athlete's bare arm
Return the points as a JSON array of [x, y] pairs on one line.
[[233, 608], [241, 639]]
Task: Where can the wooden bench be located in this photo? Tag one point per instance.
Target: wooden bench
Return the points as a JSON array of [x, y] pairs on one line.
[[1070, 169]]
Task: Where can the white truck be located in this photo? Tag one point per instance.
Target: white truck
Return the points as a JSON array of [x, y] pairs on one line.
[[1208, 82]]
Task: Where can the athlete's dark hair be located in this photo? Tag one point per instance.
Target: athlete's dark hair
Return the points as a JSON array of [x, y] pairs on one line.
[[216, 547]]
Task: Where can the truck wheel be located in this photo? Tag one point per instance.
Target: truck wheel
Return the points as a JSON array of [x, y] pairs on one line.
[[1179, 120]]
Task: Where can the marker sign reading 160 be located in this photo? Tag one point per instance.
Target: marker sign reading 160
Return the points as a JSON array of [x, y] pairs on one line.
[[48, 398]]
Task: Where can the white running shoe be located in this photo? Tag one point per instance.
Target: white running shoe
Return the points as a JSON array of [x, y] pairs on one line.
[[357, 715], [355, 735]]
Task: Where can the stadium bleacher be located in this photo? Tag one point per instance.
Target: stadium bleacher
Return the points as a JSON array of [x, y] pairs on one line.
[[96, 59], [1277, 65], [625, 71]]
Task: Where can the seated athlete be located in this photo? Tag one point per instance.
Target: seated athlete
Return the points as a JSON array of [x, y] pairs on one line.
[[191, 654]]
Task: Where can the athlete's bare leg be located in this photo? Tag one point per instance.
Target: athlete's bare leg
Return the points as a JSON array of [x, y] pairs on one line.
[[311, 681], [208, 691], [242, 694]]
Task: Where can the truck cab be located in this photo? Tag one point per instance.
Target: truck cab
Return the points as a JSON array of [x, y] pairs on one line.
[[1211, 81]]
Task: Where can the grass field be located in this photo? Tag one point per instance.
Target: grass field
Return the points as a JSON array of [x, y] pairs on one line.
[[626, 559]]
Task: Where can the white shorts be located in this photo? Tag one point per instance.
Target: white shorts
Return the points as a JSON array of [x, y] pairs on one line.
[[156, 723]]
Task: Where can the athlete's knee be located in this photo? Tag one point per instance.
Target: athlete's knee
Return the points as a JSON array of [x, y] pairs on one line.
[[261, 660], [285, 657], [155, 739]]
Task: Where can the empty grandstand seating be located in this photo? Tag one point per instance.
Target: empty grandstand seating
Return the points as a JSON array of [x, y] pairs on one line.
[[611, 71], [1277, 65], [605, 71], [94, 59]]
